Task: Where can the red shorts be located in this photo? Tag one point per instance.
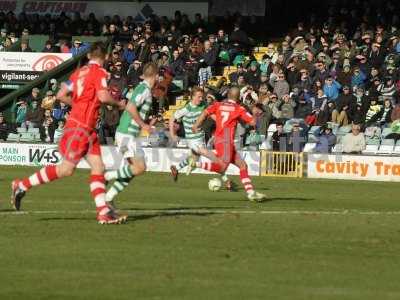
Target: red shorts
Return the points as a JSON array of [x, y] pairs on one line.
[[226, 152], [77, 142]]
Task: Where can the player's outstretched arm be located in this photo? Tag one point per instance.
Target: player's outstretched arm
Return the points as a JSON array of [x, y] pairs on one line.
[[172, 129], [132, 110]]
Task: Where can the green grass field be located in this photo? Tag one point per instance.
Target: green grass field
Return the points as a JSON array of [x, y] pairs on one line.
[[314, 239]]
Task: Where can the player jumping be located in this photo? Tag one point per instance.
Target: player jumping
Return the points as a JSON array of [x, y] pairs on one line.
[[189, 114], [127, 135], [85, 91], [227, 114]]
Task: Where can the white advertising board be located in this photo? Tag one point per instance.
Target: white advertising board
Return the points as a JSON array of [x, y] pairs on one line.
[[355, 167], [157, 159], [21, 67]]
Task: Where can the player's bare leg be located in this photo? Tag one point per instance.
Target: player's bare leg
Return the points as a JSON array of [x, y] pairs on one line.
[[252, 195], [133, 167], [45, 175], [105, 214], [193, 164]]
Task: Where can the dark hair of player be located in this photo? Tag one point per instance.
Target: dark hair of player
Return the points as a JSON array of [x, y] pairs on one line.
[[98, 50]]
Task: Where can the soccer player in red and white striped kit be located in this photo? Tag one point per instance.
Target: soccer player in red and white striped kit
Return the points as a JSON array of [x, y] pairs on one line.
[[85, 91]]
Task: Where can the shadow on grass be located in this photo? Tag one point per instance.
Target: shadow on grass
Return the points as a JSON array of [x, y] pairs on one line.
[[289, 199], [180, 208], [144, 217], [68, 219]]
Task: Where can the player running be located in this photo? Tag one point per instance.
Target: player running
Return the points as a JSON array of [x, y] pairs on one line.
[[133, 119], [196, 141], [227, 114], [85, 91]]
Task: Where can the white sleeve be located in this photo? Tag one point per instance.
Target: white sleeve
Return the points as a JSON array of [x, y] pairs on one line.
[[180, 113]]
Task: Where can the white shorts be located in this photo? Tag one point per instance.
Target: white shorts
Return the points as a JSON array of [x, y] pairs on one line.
[[196, 144], [129, 146]]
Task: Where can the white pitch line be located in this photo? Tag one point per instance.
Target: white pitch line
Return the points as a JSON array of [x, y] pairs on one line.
[[210, 210]]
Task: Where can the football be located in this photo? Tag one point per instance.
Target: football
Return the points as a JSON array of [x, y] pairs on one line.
[[214, 184]]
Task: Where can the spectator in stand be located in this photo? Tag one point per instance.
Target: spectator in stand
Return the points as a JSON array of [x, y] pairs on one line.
[[48, 101], [59, 111], [354, 142], [34, 96], [47, 128], [326, 140], [49, 48], [279, 139], [4, 128], [129, 54], [109, 123], [281, 86], [20, 109], [253, 75], [134, 73], [332, 88], [207, 61], [78, 47], [34, 116], [25, 46]]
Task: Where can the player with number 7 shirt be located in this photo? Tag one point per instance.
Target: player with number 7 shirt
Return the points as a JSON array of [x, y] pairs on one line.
[[85, 91], [227, 114]]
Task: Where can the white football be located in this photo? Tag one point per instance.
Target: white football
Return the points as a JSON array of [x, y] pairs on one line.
[[214, 184]]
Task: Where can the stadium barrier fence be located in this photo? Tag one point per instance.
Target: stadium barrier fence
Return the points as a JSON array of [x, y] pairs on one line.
[[281, 164]]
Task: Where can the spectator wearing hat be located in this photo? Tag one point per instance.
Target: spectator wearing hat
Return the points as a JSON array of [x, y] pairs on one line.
[[4, 128], [354, 142], [292, 74], [326, 140], [134, 73], [78, 47]]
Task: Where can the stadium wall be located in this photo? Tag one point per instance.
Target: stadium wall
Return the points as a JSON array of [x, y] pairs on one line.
[[139, 10], [157, 159]]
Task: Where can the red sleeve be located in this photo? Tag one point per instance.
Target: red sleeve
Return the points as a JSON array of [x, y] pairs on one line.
[[245, 115], [212, 108], [101, 80]]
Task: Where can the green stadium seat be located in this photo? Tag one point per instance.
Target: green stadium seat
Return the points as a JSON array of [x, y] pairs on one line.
[[33, 130], [27, 137], [21, 130], [13, 137], [386, 132]]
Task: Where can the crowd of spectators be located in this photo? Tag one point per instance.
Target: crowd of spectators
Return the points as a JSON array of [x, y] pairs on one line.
[[337, 71]]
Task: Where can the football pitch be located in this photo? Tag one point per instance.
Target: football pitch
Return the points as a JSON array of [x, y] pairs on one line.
[[313, 239]]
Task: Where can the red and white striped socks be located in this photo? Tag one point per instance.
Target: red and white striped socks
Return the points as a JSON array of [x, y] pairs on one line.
[[98, 191], [246, 181], [43, 176]]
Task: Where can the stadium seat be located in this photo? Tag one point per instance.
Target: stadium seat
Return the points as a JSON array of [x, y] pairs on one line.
[[309, 147], [338, 148], [33, 130], [396, 149], [267, 143], [182, 143], [371, 149], [21, 129], [386, 132], [13, 137], [344, 130], [27, 137], [386, 147]]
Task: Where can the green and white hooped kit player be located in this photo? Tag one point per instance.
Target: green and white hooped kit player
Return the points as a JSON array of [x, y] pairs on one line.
[[196, 141], [127, 136]]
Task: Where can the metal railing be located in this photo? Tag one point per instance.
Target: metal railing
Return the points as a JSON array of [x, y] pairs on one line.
[[281, 164]]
